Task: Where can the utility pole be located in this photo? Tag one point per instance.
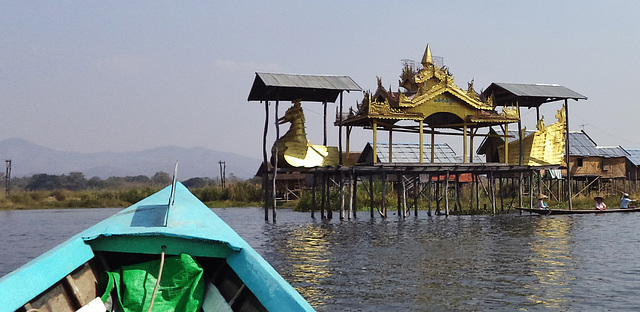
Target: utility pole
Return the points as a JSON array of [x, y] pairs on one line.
[[223, 172], [7, 176]]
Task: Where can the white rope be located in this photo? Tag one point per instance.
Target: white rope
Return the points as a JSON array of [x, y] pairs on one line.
[[155, 289]]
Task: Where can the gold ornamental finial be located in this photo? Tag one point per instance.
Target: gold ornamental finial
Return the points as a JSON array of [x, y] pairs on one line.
[[427, 59]]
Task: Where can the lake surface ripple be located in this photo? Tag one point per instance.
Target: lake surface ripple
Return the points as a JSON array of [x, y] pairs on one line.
[[460, 263]]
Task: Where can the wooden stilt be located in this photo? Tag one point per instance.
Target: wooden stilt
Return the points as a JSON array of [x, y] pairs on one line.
[[446, 193], [329, 210], [342, 193], [313, 195], [416, 194], [354, 193], [428, 195], [371, 193], [384, 195], [323, 196], [275, 166], [265, 163], [399, 192]]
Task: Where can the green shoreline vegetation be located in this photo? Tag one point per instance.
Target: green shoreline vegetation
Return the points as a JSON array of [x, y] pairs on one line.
[[44, 191]]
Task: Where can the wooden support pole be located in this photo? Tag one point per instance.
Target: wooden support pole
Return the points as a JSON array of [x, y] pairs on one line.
[[492, 186], [313, 196], [429, 195], [323, 196], [340, 133], [465, 152], [371, 193], [478, 192], [437, 195], [324, 139], [275, 165], [531, 190], [390, 145], [501, 193], [446, 193], [329, 210], [416, 194], [384, 195], [421, 141], [375, 141], [433, 151], [567, 153], [458, 191], [342, 193], [354, 192], [520, 189], [506, 143], [265, 162]]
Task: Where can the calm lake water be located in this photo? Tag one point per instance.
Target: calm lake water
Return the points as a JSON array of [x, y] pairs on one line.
[[460, 263]]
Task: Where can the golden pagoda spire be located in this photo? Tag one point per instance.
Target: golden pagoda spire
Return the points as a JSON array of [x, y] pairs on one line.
[[426, 58]]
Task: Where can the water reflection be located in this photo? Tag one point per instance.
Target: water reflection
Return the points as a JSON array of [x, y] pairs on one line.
[[551, 262]]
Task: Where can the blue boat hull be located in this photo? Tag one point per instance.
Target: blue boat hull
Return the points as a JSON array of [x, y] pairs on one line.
[[68, 274]]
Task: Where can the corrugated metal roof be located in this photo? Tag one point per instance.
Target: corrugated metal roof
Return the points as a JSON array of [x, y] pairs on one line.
[[634, 156], [410, 153], [580, 144], [529, 95], [541, 90], [290, 87]]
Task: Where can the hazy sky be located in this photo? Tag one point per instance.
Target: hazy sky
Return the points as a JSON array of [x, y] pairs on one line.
[[94, 76]]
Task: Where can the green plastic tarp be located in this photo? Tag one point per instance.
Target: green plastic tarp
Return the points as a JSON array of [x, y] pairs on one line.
[[181, 286]]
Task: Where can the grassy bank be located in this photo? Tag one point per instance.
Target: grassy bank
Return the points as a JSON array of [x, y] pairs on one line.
[[241, 194]]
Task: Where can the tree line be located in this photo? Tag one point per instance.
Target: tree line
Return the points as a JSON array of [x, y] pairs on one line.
[[76, 181]]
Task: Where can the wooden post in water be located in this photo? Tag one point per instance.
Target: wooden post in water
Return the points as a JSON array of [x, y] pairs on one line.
[[446, 193], [313, 195], [531, 190], [354, 193], [323, 195], [399, 192], [437, 194], [329, 210], [458, 191], [275, 165], [265, 162], [342, 193], [416, 194], [429, 195], [492, 186], [384, 194], [501, 193], [371, 193], [478, 192]]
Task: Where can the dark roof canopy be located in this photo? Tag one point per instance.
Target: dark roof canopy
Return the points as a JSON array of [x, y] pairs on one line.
[[289, 87], [529, 95]]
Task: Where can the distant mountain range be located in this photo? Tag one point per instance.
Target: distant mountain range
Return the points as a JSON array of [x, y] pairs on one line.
[[28, 159]]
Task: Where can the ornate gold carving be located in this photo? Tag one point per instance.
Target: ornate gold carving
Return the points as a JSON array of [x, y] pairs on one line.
[[294, 150], [510, 112]]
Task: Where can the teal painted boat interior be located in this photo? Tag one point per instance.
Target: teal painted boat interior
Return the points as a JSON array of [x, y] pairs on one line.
[[186, 226]]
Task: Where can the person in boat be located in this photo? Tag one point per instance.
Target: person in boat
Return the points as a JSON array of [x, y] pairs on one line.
[[625, 201], [540, 204], [600, 205]]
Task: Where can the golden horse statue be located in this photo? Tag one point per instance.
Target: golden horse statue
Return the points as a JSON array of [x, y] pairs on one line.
[[294, 150]]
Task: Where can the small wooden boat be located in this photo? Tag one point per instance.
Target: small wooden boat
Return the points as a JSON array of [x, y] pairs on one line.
[[171, 223], [573, 211]]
